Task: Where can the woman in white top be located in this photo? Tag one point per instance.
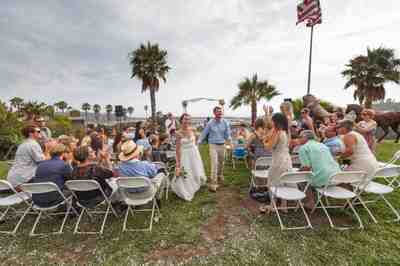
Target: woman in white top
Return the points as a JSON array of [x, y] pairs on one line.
[[356, 149], [189, 165]]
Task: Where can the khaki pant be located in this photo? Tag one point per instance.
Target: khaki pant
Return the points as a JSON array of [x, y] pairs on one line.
[[217, 156]]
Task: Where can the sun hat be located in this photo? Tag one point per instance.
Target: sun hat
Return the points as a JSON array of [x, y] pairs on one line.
[[129, 150]]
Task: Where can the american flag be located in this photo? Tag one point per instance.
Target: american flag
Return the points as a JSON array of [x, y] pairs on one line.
[[309, 11]]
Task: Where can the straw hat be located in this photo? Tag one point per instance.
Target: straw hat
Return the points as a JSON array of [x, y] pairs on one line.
[[129, 150]]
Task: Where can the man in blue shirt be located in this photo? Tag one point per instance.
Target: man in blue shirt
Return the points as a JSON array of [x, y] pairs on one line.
[[333, 141], [131, 166], [217, 132], [54, 170]]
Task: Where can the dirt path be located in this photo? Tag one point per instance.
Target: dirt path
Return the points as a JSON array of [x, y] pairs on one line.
[[228, 221]]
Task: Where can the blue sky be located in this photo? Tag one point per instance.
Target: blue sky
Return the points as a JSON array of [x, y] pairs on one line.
[[77, 51]]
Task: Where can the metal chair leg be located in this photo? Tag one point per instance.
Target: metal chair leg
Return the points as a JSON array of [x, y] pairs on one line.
[[392, 208], [32, 233]]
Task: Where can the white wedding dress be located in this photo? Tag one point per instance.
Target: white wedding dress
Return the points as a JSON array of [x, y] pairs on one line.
[[192, 165]]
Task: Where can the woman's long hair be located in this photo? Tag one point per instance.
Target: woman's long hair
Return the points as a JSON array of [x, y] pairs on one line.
[[280, 122]]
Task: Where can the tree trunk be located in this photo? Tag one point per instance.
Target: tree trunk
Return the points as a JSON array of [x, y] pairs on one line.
[[368, 103], [153, 104], [253, 112]]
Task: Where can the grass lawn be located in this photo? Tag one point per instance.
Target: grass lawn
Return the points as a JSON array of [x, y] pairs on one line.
[[215, 229]]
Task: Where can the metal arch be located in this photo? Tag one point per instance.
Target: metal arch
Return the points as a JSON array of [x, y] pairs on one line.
[[186, 102]]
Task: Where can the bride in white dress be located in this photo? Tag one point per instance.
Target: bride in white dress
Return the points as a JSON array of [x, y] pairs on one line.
[[189, 173]]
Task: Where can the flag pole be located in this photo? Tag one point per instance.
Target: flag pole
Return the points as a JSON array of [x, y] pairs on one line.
[[310, 60]]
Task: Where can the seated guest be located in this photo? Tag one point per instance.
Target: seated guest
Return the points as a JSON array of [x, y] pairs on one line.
[[164, 146], [255, 144], [155, 150], [164, 141], [131, 166], [367, 127], [87, 170], [316, 157], [356, 149], [141, 140], [27, 158], [54, 170], [333, 141]]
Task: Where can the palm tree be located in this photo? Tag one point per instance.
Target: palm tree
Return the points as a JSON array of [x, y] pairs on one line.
[[250, 92], [33, 110], [61, 105], [369, 73], [86, 107], [146, 107], [130, 110], [17, 103], [49, 111], [96, 110], [149, 64], [109, 109]]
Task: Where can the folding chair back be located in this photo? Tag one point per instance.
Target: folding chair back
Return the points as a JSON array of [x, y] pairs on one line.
[[17, 197], [141, 184], [38, 188], [82, 185], [348, 177], [263, 163], [133, 182], [388, 172], [5, 185], [295, 177]]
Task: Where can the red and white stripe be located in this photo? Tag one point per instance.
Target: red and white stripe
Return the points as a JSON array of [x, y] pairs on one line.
[[308, 9]]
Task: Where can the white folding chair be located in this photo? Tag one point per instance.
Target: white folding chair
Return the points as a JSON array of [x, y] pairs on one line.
[[134, 199], [47, 187], [332, 190], [87, 207], [380, 190], [165, 186], [287, 190], [260, 171], [392, 161], [10, 200], [390, 175]]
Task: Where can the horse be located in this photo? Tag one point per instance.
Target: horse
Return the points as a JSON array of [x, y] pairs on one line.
[[384, 120]]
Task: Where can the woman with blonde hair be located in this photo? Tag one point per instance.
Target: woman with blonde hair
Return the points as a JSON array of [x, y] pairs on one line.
[[367, 127]]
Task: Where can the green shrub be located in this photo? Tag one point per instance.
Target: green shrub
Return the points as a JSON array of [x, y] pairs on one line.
[[60, 125], [10, 130]]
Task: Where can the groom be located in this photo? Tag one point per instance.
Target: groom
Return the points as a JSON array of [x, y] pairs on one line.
[[217, 132]]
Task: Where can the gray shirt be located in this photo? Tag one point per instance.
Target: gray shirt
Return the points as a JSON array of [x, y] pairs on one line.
[[28, 155]]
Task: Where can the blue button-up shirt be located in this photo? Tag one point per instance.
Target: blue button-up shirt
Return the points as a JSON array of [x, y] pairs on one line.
[[137, 168], [216, 132], [334, 144]]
